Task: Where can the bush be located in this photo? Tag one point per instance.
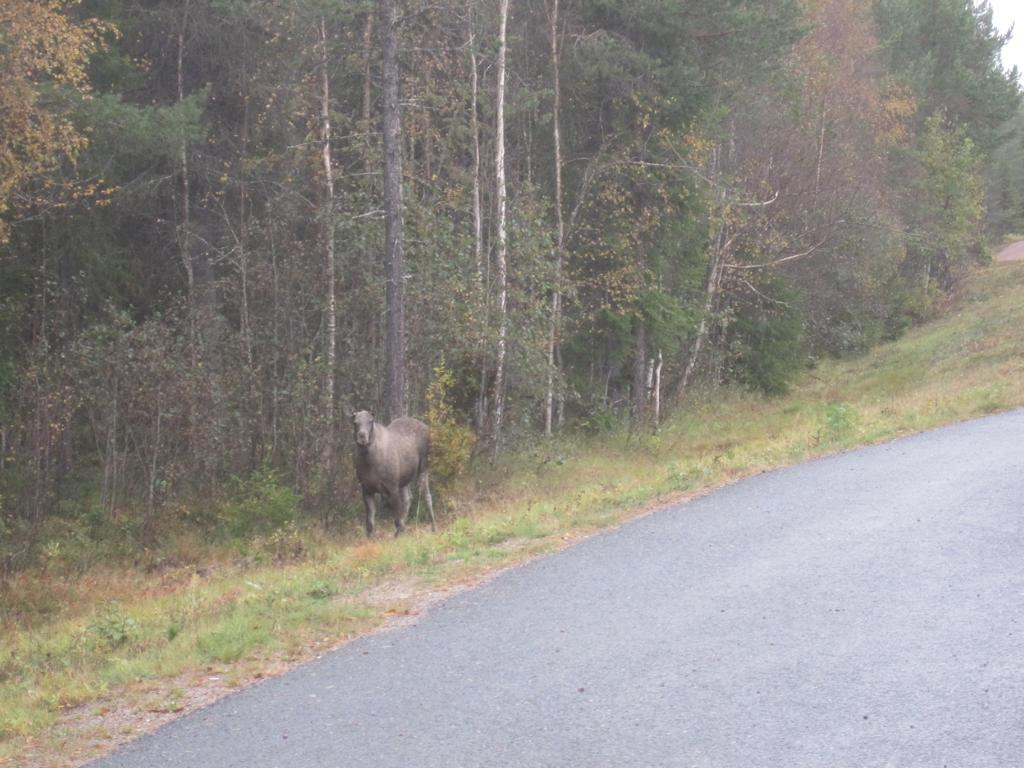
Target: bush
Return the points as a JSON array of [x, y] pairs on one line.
[[839, 419], [284, 545], [598, 417], [262, 505], [451, 443], [113, 627], [321, 590], [768, 341]]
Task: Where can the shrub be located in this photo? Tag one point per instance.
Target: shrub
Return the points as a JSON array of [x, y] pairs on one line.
[[598, 417], [284, 544], [451, 443], [321, 590], [839, 419], [113, 627], [767, 340], [263, 504]]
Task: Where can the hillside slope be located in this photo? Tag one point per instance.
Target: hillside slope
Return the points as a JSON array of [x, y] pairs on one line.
[[90, 658]]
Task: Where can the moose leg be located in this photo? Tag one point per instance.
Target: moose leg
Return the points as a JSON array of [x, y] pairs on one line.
[[401, 501], [425, 489], [371, 512]]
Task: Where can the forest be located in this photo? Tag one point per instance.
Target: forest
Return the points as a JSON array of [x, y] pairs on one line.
[[226, 223]]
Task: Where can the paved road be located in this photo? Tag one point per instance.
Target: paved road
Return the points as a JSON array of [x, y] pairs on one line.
[[863, 610], [1012, 252]]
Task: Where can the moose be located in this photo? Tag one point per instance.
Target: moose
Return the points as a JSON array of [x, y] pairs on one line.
[[388, 461]]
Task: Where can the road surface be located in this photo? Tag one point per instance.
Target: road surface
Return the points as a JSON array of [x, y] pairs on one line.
[[862, 610], [1012, 252]]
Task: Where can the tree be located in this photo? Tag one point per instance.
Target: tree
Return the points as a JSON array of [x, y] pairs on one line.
[[395, 345], [947, 51], [327, 223], [42, 49], [1005, 180], [501, 249], [556, 140], [944, 204], [675, 196]]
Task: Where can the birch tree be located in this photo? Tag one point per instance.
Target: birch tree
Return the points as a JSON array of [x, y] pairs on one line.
[[501, 236], [327, 234], [556, 137]]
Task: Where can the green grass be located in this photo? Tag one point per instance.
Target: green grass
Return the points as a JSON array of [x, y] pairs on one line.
[[136, 641]]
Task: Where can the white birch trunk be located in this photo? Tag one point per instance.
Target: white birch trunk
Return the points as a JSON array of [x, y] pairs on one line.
[[715, 267], [478, 239], [501, 254], [478, 232], [556, 294], [657, 391], [327, 222], [367, 84]]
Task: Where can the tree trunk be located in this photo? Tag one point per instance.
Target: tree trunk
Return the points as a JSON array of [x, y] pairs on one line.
[[821, 150], [184, 246], [367, 90], [150, 521], [656, 392], [478, 234], [639, 371], [710, 295], [327, 233], [275, 335], [108, 494], [254, 409], [715, 266], [556, 294], [395, 334], [478, 237], [184, 239], [501, 253]]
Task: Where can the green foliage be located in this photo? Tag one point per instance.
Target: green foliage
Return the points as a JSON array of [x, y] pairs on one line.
[[839, 420], [924, 299], [948, 52], [164, 308], [768, 339], [125, 137], [262, 504], [322, 589], [596, 416], [451, 443], [232, 642], [113, 626], [944, 203], [1005, 181], [668, 318]]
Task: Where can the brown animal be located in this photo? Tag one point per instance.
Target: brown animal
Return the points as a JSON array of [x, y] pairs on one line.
[[388, 461]]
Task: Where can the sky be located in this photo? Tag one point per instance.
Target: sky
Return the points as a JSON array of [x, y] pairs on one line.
[[1008, 13]]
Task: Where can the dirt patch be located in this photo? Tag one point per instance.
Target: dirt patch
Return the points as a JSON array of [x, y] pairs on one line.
[[388, 593], [1012, 252]]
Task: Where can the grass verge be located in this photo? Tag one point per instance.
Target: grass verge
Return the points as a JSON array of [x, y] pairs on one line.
[[89, 661]]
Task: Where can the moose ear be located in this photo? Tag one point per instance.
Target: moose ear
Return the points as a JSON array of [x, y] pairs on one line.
[[348, 411]]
